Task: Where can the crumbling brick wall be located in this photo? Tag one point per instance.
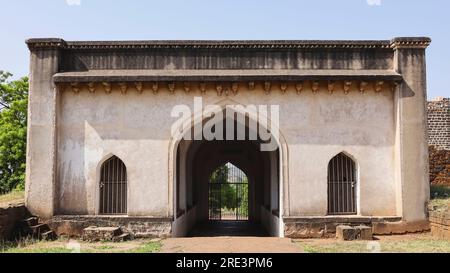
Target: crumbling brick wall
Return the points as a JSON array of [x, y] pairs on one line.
[[439, 140]]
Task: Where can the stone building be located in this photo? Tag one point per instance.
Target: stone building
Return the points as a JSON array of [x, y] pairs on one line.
[[343, 124], [439, 140]]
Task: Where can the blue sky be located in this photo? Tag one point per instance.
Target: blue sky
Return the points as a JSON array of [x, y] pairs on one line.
[[227, 19]]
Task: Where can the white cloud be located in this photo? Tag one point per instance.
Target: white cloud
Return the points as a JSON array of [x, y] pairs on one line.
[[73, 2], [374, 2]]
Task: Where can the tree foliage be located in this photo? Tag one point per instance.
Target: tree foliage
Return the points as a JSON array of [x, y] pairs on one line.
[[13, 131], [228, 198]]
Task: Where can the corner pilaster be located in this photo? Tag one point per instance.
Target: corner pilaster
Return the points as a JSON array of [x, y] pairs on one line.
[[411, 125], [42, 134]]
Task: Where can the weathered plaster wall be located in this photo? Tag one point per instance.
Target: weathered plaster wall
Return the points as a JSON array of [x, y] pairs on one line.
[[412, 148], [93, 126], [41, 133]]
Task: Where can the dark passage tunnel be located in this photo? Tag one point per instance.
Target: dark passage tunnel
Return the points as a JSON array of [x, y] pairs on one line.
[[244, 203]]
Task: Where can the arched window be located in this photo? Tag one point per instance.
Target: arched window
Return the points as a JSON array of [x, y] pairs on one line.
[[342, 181], [228, 194], [113, 187]]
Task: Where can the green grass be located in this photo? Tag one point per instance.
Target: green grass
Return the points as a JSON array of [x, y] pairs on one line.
[[60, 246], [104, 247], [440, 197], [38, 250], [148, 247], [12, 197], [440, 191], [414, 244], [28, 245]]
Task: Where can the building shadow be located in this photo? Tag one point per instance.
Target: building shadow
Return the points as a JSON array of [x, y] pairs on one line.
[[228, 228]]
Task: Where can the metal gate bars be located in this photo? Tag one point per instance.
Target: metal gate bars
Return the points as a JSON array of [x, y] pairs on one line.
[[228, 194], [342, 181], [113, 187]]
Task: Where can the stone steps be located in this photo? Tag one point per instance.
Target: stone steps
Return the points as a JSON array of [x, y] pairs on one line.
[[49, 236], [122, 238], [31, 227], [31, 221], [112, 234]]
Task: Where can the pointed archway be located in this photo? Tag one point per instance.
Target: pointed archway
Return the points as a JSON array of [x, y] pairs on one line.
[[228, 194], [194, 162]]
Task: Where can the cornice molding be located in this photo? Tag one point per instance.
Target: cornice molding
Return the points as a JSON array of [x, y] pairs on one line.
[[229, 45], [51, 43], [410, 43]]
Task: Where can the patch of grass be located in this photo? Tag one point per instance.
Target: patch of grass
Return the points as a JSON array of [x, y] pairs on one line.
[[28, 245], [388, 244], [61, 246], [39, 250], [310, 249], [440, 197], [147, 247], [417, 246], [104, 247], [12, 197], [334, 247], [440, 192]]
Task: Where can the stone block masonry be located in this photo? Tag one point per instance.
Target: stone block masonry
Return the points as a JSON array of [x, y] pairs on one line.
[[439, 123], [439, 166], [440, 223], [137, 227], [348, 233], [439, 140]]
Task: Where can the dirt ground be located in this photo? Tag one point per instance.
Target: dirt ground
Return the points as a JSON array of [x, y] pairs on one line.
[[410, 243], [230, 245]]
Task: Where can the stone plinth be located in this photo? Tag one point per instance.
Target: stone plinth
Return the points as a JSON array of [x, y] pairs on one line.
[[348, 233], [440, 224], [94, 234]]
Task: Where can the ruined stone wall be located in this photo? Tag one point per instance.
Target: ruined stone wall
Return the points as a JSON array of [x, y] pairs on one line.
[[9, 217], [440, 222], [439, 123], [439, 140]]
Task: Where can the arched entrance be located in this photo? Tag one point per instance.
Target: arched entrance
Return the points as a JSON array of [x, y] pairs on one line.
[[228, 194], [197, 205]]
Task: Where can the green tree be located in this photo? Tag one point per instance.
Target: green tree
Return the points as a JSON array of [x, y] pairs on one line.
[[13, 131], [243, 202], [220, 175], [217, 178]]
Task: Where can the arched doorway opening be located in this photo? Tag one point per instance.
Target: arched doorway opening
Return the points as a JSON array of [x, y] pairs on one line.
[[228, 194], [195, 161]]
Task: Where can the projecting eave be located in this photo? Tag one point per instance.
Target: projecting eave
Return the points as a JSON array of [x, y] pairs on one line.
[[225, 75]]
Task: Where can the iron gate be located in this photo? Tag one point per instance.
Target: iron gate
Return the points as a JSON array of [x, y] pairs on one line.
[[228, 194]]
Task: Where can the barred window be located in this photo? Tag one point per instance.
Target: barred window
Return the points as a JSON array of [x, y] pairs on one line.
[[342, 181], [113, 187]]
